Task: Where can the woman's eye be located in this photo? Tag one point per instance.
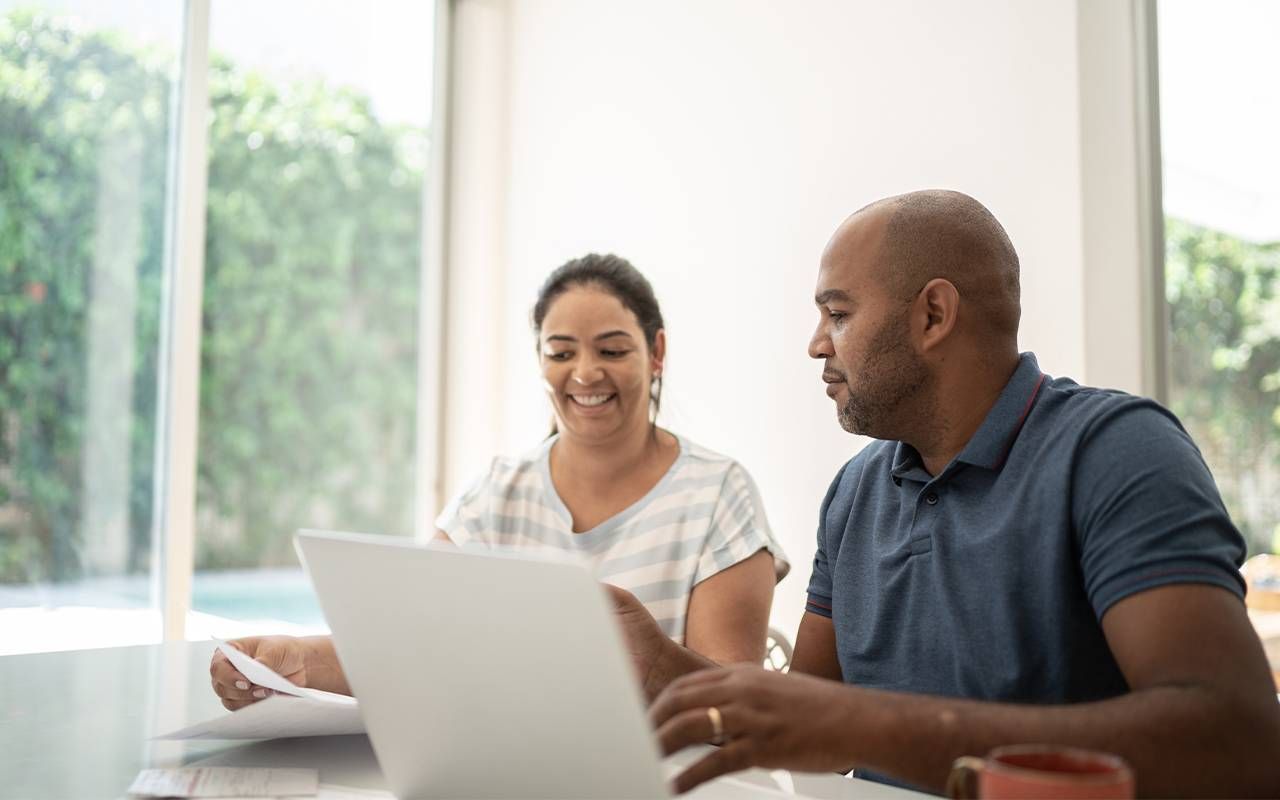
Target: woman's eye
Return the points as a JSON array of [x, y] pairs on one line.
[[563, 355], [614, 353]]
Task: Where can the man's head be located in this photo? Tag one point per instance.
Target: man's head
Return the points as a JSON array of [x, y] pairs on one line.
[[909, 288]]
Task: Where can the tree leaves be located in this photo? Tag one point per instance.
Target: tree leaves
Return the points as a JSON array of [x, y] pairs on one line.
[[308, 362], [1224, 307]]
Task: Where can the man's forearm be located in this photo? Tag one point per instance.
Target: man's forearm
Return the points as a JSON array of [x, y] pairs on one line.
[[1180, 740]]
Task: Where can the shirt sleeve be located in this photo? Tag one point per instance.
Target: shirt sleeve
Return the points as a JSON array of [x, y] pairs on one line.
[[463, 518], [1146, 510], [739, 529], [818, 600]]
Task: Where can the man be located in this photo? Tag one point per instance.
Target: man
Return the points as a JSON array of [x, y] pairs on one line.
[[1020, 559]]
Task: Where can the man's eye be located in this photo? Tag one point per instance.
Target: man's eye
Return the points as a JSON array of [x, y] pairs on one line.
[[837, 316]]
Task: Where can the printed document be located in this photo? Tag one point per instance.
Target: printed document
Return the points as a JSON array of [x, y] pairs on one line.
[[225, 782]]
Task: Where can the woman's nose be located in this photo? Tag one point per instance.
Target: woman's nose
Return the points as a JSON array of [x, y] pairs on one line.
[[587, 373]]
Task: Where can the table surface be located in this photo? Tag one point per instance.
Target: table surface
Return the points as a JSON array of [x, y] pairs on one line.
[[77, 724]]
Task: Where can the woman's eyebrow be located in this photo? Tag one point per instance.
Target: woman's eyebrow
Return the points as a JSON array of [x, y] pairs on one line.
[[564, 337]]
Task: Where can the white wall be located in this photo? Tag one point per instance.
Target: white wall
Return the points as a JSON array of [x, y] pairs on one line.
[[717, 144]]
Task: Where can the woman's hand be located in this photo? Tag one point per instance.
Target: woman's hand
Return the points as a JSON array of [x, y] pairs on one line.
[[285, 655]]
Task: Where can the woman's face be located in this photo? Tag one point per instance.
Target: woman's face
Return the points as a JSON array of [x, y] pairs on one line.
[[596, 366]]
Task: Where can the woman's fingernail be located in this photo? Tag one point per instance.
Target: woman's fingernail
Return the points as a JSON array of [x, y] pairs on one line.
[[242, 685], [260, 693]]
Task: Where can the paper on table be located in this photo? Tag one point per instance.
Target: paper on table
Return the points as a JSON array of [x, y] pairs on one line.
[[225, 782], [278, 717], [296, 711]]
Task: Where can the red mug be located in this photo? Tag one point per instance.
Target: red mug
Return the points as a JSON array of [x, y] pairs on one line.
[[1041, 771]]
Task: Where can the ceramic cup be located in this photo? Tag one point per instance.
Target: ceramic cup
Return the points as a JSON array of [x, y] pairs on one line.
[[1041, 771]]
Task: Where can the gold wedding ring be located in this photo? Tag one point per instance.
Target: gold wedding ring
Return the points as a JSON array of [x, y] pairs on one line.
[[717, 725]]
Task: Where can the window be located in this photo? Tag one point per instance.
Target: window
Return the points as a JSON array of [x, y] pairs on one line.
[[1221, 182], [318, 134], [317, 153], [85, 117]]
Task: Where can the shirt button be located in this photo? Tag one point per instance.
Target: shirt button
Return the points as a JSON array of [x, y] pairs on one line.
[[931, 498]]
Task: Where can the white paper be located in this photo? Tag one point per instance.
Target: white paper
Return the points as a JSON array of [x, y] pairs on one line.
[[277, 717], [225, 782], [295, 711], [261, 675], [257, 672]]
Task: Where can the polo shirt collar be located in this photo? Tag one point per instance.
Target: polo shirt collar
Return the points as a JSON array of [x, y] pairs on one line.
[[905, 461], [991, 442]]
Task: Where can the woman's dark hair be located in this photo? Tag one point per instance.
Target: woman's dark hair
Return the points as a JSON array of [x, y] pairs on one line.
[[619, 278]]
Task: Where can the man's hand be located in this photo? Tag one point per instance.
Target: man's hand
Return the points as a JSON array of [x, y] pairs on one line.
[[646, 643], [657, 659], [769, 720]]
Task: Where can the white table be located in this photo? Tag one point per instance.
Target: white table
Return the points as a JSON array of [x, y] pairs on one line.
[[77, 725]]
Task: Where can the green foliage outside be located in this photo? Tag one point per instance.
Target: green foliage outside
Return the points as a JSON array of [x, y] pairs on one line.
[[1224, 306], [308, 362]]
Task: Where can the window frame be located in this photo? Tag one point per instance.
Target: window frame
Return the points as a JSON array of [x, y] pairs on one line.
[[1122, 227]]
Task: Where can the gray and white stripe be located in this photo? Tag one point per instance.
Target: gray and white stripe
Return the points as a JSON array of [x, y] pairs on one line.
[[702, 517]]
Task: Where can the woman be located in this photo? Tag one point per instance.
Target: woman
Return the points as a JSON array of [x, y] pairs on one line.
[[680, 527]]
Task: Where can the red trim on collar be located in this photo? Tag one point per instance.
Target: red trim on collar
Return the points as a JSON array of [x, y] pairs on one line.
[[1031, 401]]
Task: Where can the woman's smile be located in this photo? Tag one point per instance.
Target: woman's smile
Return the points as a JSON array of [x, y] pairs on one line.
[[591, 404]]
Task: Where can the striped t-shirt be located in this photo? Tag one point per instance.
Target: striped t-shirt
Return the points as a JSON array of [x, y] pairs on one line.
[[703, 516]]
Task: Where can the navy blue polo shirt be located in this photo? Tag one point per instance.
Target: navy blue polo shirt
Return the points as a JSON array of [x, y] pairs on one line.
[[989, 580]]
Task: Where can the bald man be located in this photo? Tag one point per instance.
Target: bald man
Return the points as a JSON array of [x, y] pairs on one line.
[[1018, 559]]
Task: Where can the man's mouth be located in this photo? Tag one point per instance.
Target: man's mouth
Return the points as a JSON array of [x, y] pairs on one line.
[[834, 381], [591, 400]]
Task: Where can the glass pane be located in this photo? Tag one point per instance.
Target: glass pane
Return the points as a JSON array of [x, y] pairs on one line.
[[85, 108], [1219, 117], [318, 147]]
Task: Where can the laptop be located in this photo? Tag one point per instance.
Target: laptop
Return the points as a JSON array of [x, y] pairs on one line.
[[486, 674]]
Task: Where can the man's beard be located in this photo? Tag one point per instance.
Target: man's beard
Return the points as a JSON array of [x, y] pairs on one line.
[[891, 374]]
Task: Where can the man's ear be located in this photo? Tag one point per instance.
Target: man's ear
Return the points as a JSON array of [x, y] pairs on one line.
[[937, 307]]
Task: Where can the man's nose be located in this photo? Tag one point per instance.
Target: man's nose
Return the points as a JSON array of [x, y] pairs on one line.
[[819, 345]]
